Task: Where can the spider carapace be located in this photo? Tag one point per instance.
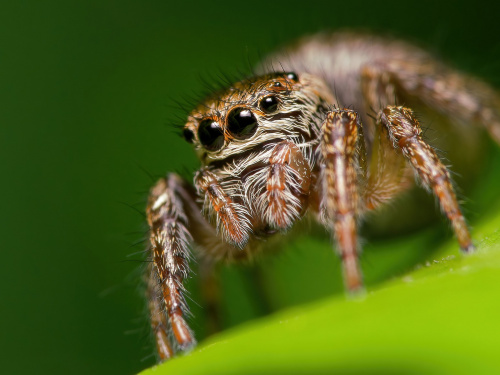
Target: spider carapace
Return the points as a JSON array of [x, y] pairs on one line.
[[322, 130]]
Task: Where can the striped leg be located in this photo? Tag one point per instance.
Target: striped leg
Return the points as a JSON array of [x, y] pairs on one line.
[[159, 322], [287, 187], [231, 218], [406, 134], [339, 185], [170, 239]]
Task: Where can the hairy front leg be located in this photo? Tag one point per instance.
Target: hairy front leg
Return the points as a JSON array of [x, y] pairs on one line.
[[230, 216], [287, 187], [159, 324], [339, 146], [406, 134], [169, 240]]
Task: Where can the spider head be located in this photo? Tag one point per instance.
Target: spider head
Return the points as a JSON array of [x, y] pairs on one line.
[[255, 112]]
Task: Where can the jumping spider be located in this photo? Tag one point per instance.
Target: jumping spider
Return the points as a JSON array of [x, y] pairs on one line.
[[281, 145]]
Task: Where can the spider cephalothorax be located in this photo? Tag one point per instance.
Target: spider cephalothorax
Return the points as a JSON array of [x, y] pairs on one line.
[[257, 144], [280, 146]]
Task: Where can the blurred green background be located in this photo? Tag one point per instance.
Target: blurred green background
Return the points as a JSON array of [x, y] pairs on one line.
[[88, 90]]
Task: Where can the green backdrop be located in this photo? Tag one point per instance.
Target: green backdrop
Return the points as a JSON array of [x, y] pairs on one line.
[[88, 90]]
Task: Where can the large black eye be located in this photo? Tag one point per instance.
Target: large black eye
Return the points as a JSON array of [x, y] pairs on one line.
[[269, 104], [210, 135], [241, 123], [188, 135]]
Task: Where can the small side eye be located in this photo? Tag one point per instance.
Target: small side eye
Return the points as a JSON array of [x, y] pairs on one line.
[[269, 104], [188, 135], [241, 123], [210, 135], [292, 76]]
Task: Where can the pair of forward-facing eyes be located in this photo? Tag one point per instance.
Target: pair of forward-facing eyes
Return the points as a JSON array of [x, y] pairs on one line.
[[241, 123]]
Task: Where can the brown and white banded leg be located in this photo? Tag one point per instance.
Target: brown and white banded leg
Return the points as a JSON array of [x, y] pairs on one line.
[[406, 134], [169, 240], [339, 145], [383, 85], [159, 324], [287, 187], [231, 217]]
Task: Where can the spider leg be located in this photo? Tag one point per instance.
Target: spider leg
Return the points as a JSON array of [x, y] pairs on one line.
[[231, 216], [458, 96], [169, 238], [288, 181], [387, 171], [338, 147], [159, 323], [406, 134]]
